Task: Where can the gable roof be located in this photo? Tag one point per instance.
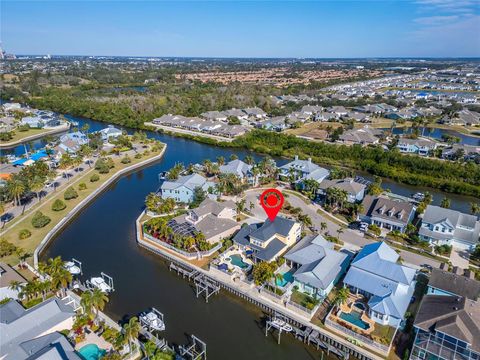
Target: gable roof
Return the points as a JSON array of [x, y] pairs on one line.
[[320, 264], [455, 316], [454, 283], [237, 167], [381, 206], [189, 181], [347, 184]]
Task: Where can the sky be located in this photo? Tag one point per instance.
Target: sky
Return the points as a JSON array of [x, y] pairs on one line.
[[298, 29]]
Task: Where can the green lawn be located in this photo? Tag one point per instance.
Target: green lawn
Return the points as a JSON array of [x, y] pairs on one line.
[[19, 135], [383, 334], [38, 235]]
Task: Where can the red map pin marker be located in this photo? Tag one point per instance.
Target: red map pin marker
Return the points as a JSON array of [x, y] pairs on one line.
[[271, 201]]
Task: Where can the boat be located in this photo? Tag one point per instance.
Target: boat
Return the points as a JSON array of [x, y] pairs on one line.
[[74, 123], [72, 268], [153, 320], [418, 196], [281, 324], [102, 282]]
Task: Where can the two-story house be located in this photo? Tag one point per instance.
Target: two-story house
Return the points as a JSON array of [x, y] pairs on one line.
[[387, 213], [355, 190], [270, 239], [387, 285], [317, 265], [420, 146], [183, 189], [239, 168], [445, 226], [301, 170]]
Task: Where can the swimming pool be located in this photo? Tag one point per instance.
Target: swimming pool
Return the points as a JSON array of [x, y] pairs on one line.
[[287, 277], [355, 318], [91, 352], [237, 260]]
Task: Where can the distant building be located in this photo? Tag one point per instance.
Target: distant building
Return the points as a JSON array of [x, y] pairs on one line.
[[364, 136], [269, 240], [450, 227], [7, 275], [35, 122], [183, 189], [420, 146], [214, 115], [317, 266], [303, 169], [387, 213]]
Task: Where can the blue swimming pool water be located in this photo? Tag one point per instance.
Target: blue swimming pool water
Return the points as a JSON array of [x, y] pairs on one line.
[[287, 278], [238, 261], [91, 352], [355, 319]]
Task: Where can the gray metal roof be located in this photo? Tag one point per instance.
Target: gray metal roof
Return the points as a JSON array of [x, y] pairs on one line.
[[189, 181], [320, 264], [17, 326], [237, 167], [50, 346], [280, 226]]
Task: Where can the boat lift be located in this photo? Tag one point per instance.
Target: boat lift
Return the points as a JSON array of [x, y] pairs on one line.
[[196, 350], [152, 320], [74, 267], [104, 283], [278, 322]]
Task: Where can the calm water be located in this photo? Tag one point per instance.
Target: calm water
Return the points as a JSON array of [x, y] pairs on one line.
[[435, 133]]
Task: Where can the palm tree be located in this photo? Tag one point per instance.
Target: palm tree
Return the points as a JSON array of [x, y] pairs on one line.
[[249, 160], [15, 285], [36, 186], [86, 152], [15, 189], [45, 287], [150, 349], [342, 296], [339, 231], [240, 206], [99, 300], [474, 208], [207, 165], [221, 160], [131, 330], [233, 157], [61, 279], [323, 226], [445, 203], [87, 304]]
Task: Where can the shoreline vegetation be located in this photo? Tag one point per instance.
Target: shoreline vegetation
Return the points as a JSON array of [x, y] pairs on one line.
[[32, 134]]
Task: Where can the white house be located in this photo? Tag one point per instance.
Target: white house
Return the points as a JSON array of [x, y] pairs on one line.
[[110, 132], [445, 226], [420, 146], [183, 189], [303, 170]]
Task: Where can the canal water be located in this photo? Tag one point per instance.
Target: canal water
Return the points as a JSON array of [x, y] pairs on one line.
[[102, 236], [437, 134]]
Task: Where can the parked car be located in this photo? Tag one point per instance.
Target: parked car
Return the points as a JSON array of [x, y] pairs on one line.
[[363, 226]]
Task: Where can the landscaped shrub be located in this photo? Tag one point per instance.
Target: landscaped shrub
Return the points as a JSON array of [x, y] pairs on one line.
[[126, 160], [23, 234], [6, 248], [103, 166], [58, 205], [82, 186], [94, 177], [70, 193], [138, 156], [39, 220]]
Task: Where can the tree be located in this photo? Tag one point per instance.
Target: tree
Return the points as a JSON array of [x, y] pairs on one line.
[[131, 330], [36, 185], [16, 189], [39, 220], [240, 206], [198, 196], [61, 279], [342, 296], [474, 208], [220, 160], [58, 205], [70, 194], [249, 160], [99, 300], [323, 226], [262, 272], [233, 157], [445, 203]]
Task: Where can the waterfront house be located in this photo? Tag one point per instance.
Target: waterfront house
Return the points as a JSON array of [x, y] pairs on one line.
[[386, 285], [70, 143], [213, 219], [317, 266], [183, 189], [447, 327], [420, 146], [442, 226], [239, 168], [355, 190], [363, 136], [110, 132], [34, 333], [303, 169], [466, 117], [7, 275], [268, 240], [34, 122], [387, 213], [459, 151], [457, 283], [7, 123], [239, 114]]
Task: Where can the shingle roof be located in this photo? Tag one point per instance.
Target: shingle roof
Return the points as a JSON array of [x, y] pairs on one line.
[[451, 315], [381, 207], [454, 283]]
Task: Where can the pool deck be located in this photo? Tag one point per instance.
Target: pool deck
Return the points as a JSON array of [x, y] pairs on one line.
[[92, 338]]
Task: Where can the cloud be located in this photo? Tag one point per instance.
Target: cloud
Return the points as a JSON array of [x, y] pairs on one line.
[[436, 20]]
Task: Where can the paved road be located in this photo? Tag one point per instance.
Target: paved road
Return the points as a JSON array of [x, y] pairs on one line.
[[353, 239]]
